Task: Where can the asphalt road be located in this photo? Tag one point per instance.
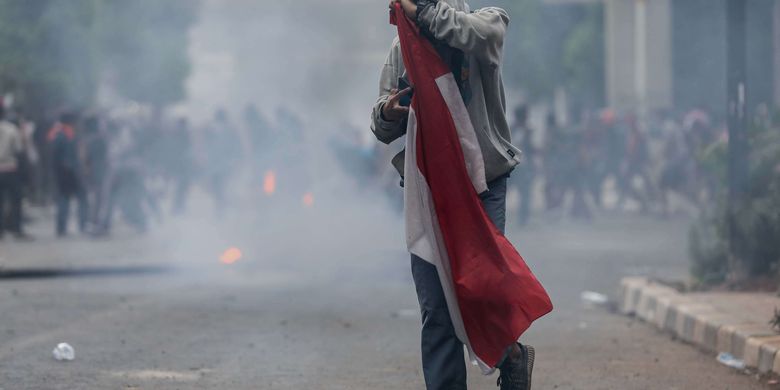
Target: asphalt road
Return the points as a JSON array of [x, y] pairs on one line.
[[322, 299]]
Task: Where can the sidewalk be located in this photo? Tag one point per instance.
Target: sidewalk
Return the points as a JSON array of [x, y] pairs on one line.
[[737, 323]]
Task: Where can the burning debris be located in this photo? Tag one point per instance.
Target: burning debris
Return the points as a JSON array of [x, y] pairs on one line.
[[231, 256], [308, 199], [269, 183]]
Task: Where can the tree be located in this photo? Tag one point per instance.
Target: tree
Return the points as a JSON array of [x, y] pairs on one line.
[[583, 59], [144, 44], [56, 52], [49, 58], [554, 45]]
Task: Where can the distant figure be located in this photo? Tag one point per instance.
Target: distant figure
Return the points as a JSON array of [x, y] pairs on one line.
[[68, 172], [29, 159], [95, 146], [678, 170], [223, 153], [259, 131], [615, 148], [525, 173], [635, 166], [11, 149], [181, 164], [291, 154], [554, 164]]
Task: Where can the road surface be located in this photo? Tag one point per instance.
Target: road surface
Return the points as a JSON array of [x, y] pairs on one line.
[[322, 299]]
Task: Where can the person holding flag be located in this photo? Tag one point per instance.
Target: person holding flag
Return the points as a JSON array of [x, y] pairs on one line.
[[442, 88]]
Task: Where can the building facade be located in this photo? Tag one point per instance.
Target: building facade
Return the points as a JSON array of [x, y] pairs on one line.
[[671, 54]]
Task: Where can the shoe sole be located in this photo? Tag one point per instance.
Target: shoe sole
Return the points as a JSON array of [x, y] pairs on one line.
[[531, 354]]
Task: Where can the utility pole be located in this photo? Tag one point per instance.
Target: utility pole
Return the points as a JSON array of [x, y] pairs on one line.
[[640, 58], [737, 121], [776, 34]]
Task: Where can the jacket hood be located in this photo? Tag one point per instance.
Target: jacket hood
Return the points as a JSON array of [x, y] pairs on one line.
[[459, 5]]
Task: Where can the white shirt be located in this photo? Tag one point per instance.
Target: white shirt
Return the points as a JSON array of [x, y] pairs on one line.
[[10, 146]]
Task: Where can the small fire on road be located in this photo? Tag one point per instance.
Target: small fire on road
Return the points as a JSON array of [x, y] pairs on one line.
[[308, 199], [231, 256], [269, 183]]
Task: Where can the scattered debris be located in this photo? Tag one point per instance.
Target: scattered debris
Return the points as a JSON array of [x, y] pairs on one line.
[[583, 325], [590, 298], [731, 361], [773, 382], [64, 352]]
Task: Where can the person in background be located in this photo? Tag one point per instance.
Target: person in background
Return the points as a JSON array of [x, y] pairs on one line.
[[635, 166], [259, 133], [223, 147], [554, 164], [68, 171], [28, 159], [614, 148], [525, 173], [181, 164], [11, 149], [95, 144]]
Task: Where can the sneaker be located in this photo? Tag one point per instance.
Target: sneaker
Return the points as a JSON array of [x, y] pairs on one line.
[[515, 374]]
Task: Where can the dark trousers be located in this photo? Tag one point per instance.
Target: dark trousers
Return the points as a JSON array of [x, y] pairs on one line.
[[444, 365], [64, 198], [10, 203], [523, 179]]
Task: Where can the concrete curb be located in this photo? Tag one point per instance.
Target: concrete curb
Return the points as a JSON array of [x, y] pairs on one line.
[[700, 323]]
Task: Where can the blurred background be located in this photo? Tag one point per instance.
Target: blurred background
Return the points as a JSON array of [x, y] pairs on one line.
[[198, 199]]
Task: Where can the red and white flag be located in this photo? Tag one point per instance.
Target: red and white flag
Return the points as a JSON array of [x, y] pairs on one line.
[[492, 295]]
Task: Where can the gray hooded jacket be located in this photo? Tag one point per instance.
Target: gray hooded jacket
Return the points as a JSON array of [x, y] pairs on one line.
[[480, 35]]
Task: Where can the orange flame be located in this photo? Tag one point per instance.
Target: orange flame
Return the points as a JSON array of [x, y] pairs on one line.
[[231, 256], [269, 183], [308, 199]]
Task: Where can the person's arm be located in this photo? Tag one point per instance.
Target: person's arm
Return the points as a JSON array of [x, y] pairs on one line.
[[387, 129], [480, 33]]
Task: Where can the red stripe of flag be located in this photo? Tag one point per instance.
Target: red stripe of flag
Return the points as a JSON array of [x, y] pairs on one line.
[[498, 295]]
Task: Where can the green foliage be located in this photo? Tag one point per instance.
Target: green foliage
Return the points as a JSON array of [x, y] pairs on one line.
[[524, 52], [55, 52], [708, 251], [583, 58], [756, 220], [145, 43], [48, 47], [550, 46]]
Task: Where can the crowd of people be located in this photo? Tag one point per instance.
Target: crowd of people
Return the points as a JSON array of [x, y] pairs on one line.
[[141, 167], [618, 161], [137, 166], [604, 161]]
